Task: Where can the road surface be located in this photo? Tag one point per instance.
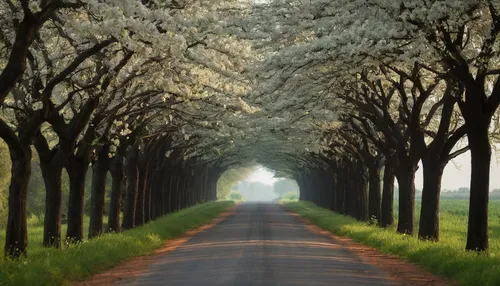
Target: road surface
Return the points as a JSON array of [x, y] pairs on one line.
[[261, 244]]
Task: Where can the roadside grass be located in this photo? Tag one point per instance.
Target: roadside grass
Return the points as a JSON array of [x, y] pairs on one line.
[[446, 257], [79, 261], [35, 233], [287, 201]]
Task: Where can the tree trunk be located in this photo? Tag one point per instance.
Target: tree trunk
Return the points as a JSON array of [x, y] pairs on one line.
[[16, 237], [340, 191], [163, 202], [406, 181], [480, 148], [347, 190], [98, 192], [148, 195], [132, 173], [183, 192], [388, 194], [429, 213], [77, 171], [53, 204], [170, 185], [13, 71], [362, 197], [77, 166], [180, 192], [52, 162], [141, 192], [176, 193], [118, 180], [374, 212]]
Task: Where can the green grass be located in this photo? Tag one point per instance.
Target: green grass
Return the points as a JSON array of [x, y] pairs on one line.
[[447, 257], [58, 267], [35, 233]]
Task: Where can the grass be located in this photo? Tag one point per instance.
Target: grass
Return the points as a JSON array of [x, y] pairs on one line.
[[35, 233], [447, 257], [60, 266]]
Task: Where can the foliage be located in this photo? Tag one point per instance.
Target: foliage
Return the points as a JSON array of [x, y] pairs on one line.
[[297, 87], [447, 257], [229, 178], [236, 196], [290, 196], [56, 267], [284, 186]]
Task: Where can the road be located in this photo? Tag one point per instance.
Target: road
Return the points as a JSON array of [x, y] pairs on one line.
[[261, 244]]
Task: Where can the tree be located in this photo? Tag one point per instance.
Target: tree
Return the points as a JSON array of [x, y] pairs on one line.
[[229, 178], [284, 186]]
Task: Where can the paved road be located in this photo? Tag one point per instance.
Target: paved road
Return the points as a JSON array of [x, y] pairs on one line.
[[260, 245]]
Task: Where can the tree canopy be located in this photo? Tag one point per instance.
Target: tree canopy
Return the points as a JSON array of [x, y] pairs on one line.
[[174, 93]]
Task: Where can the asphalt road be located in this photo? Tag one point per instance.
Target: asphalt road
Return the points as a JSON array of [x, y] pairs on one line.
[[260, 245]]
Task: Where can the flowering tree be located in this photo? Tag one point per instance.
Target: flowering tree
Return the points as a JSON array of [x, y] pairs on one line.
[[167, 95]]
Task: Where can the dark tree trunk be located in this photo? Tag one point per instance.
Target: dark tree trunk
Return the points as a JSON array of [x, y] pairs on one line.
[[374, 212], [77, 171], [53, 204], [148, 195], [204, 186], [16, 238], [98, 192], [429, 213], [302, 196], [340, 191], [169, 188], [480, 148], [118, 182], [362, 197], [157, 194], [132, 173], [347, 188], [16, 65], [51, 164], [406, 181], [183, 194], [164, 178], [388, 194], [176, 198], [139, 210]]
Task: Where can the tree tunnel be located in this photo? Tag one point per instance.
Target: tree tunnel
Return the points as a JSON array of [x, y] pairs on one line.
[[256, 184], [164, 98]]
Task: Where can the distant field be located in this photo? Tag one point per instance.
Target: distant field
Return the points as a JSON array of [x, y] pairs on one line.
[[447, 257]]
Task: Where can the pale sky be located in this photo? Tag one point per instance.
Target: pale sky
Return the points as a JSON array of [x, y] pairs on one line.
[[262, 175], [457, 173]]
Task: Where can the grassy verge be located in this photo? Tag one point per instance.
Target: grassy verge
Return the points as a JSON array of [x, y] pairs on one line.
[[447, 257], [77, 262]]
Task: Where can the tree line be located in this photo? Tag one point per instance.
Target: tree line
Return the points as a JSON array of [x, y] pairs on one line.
[[409, 82], [165, 96], [121, 89]]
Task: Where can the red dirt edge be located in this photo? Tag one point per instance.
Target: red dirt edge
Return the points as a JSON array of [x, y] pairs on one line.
[[138, 265], [398, 269]]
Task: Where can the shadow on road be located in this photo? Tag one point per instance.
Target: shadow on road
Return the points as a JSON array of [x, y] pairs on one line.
[[260, 245]]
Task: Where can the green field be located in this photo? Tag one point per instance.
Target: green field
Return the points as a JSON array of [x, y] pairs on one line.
[[447, 257], [60, 266]]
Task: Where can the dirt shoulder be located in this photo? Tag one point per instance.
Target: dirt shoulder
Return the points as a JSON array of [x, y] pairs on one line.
[[400, 270], [138, 266]]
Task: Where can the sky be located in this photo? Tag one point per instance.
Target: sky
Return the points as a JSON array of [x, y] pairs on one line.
[[456, 174], [262, 175]]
